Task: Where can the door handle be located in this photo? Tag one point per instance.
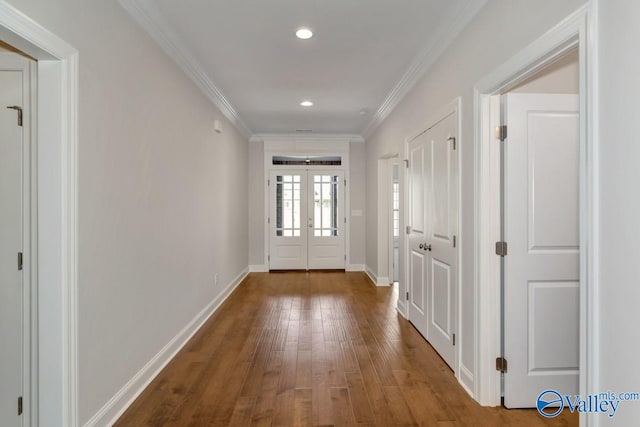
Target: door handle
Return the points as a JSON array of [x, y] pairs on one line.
[[420, 246], [427, 247]]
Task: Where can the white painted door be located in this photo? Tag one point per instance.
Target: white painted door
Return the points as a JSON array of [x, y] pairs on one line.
[[541, 269], [326, 249], [288, 225], [307, 220], [11, 238], [433, 217], [442, 216]]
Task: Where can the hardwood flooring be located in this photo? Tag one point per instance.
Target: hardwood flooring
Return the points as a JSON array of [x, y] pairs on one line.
[[313, 349]]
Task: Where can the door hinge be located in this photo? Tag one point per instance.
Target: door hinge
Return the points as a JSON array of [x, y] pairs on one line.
[[345, 219], [454, 339], [345, 257], [501, 364], [268, 257], [20, 405], [454, 241], [268, 220], [453, 140], [501, 248], [19, 261], [407, 296], [19, 110], [408, 229], [345, 182], [501, 132], [268, 183], [406, 163]]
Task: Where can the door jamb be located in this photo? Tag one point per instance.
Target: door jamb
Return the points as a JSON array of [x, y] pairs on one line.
[[54, 208], [578, 29]]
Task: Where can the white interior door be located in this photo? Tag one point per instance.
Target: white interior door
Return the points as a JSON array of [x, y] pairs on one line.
[[307, 219], [11, 241], [418, 255], [433, 215], [326, 243], [541, 269], [442, 217]]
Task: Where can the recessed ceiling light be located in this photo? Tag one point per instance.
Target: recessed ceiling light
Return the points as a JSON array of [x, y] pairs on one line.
[[306, 103], [304, 33]]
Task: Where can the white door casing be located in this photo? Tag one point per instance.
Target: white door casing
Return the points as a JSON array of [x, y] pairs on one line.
[[541, 228], [14, 291], [306, 219], [433, 218]]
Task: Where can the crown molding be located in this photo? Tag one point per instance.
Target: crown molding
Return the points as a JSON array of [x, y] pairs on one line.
[[450, 28], [319, 137], [146, 14]]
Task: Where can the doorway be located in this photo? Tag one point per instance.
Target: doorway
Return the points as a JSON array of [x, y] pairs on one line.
[[307, 219], [394, 225], [573, 33], [539, 139]]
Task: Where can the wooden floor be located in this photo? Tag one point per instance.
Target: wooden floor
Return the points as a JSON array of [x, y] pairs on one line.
[[317, 348]]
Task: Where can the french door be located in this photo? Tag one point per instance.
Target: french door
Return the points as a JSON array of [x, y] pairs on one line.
[[306, 219]]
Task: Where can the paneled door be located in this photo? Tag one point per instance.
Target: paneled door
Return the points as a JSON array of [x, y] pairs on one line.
[[11, 241], [541, 268], [307, 219], [433, 219]]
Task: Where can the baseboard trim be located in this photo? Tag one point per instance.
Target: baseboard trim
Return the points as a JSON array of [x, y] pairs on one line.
[[355, 267], [116, 406], [402, 308], [466, 380], [377, 281], [258, 268]]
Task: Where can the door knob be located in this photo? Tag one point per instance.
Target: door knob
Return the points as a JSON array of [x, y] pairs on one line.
[[420, 246], [427, 247]]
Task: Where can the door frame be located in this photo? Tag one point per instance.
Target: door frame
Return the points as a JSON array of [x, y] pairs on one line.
[[311, 145], [53, 219], [576, 31], [455, 106]]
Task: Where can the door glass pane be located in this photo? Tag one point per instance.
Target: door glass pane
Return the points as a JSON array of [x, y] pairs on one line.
[[325, 205], [288, 205]]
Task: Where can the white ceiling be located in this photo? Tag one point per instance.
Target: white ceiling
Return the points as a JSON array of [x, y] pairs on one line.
[[365, 55]]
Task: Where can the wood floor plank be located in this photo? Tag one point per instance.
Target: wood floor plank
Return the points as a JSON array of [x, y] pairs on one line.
[[313, 349]]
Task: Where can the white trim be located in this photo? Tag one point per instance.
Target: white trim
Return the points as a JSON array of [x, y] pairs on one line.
[[450, 27], [147, 15], [27, 35], [305, 138], [375, 280], [355, 267], [258, 268], [402, 307], [576, 30], [465, 379], [115, 407]]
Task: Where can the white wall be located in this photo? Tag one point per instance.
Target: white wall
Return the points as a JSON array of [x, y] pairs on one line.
[[619, 83], [162, 198], [357, 192], [501, 29]]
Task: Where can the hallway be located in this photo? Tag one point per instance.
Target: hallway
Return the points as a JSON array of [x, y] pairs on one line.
[[316, 348]]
